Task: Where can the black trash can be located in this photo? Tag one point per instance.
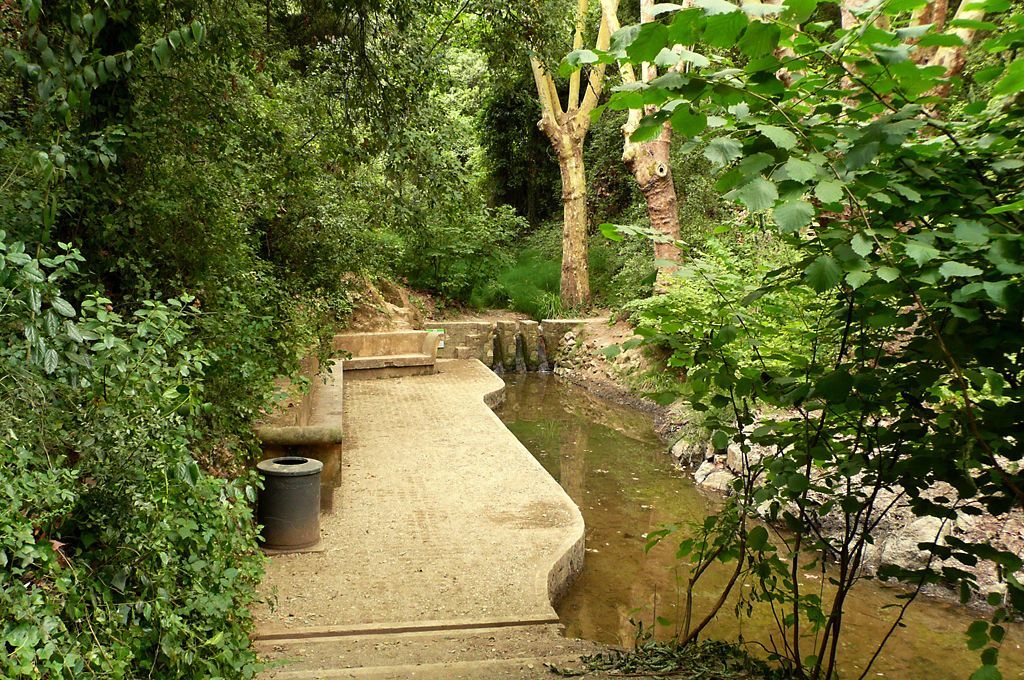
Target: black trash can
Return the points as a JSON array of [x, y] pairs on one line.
[[289, 504]]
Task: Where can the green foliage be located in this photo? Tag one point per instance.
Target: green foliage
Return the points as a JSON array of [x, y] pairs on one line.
[[725, 289], [904, 208], [118, 554]]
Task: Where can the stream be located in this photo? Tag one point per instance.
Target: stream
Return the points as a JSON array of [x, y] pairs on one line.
[[614, 466]]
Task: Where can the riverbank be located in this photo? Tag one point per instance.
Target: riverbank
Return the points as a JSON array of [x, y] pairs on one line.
[[583, 358]]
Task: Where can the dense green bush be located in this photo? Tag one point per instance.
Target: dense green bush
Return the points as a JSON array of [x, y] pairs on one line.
[[118, 554], [730, 278]]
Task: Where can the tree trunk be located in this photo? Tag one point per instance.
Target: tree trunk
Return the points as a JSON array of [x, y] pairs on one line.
[[575, 290], [650, 164]]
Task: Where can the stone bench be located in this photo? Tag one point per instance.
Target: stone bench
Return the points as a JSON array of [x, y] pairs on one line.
[[388, 354], [307, 424]]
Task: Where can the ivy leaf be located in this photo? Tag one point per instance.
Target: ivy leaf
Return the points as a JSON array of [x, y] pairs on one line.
[[781, 137], [823, 274], [723, 150], [793, 215], [953, 268], [829, 191], [800, 170], [757, 194]]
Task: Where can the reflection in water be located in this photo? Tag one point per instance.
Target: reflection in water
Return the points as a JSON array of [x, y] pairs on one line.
[[614, 467]]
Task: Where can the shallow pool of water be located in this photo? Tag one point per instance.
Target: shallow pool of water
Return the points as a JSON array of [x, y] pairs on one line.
[[613, 465]]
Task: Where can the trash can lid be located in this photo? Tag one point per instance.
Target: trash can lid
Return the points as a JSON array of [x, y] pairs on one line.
[[290, 466]]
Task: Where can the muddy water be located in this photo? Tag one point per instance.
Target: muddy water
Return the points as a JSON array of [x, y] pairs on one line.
[[614, 466]]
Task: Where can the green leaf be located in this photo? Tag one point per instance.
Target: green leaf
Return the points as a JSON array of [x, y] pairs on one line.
[[829, 191], [648, 42], [723, 150], [781, 137], [800, 170], [757, 538], [50, 361], [953, 268], [799, 11], [971, 231], [63, 307], [858, 279], [1009, 207], [987, 673], [723, 29], [888, 274], [757, 194], [823, 274], [719, 440], [793, 215], [920, 252], [713, 7], [688, 122], [862, 245], [1013, 81], [611, 232], [759, 39]]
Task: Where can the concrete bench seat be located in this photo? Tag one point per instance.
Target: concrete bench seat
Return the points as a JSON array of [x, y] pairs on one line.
[[307, 424], [388, 354]]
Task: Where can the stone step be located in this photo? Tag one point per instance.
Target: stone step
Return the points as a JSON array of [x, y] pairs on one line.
[[488, 652]]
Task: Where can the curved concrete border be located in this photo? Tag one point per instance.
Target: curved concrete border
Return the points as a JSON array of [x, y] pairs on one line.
[[568, 565]]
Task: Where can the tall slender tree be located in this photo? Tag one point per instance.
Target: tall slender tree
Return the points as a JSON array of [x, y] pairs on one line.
[[567, 129]]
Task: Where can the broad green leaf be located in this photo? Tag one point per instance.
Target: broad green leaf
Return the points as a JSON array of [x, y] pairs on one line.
[[953, 268], [688, 122], [723, 29], [793, 215], [723, 150], [862, 245], [971, 231], [648, 43], [799, 11], [823, 274], [1012, 81], [781, 137], [888, 274], [63, 307], [858, 279], [800, 170], [611, 232], [920, 252], [759, 39], [713, 7], [757, 194], [829, 191]]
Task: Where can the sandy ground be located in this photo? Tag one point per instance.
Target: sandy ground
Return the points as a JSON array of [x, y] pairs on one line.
[[440, 518]]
